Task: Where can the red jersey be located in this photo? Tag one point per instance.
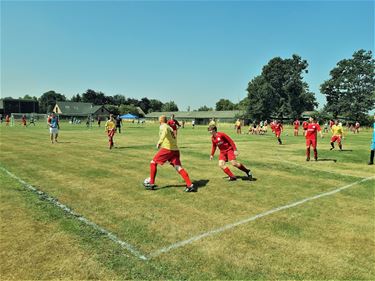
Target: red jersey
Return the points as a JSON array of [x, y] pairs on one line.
[[223, 141], [296, 124], [173, 124], [305, 125], [278, 128], [312, 130]]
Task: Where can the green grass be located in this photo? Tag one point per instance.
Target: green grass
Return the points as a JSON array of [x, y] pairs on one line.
[[329, 238]]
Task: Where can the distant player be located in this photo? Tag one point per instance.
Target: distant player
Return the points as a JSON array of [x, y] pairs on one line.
[[237, 125], [305, 124], [32, 120], [54, 126], [296, 124], [278, 130], [371, 162], [311, 137], [356, 127], [193, 123], [7, 120], [174, 124], [228, 152], [337, 135], [118, 123], [168, 152], [23, 121], [110, 129]]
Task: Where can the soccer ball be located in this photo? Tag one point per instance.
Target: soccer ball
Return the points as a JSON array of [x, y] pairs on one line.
[[146, 182]]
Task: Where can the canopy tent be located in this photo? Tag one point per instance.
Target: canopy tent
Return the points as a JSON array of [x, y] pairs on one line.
[[128, 116]]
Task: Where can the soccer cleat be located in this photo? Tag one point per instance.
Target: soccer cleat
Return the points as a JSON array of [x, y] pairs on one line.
[[149, 186], [308, 159], [370, 163], [191, 188], [331, 148], [249, 174], [232, 179], [316, 158]]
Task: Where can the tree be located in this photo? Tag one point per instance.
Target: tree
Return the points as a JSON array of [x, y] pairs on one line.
[[76, 98], [155, 105], [224, 104], [145, 105], [48, 100], [126, 108], [114, 109], [169, 106], [97, 98], [280, 90], [205, 108], [351, 89], [28, 97]]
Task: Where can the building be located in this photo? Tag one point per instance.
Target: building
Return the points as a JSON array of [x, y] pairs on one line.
[[9, 106], [68, 109], [200, 117]]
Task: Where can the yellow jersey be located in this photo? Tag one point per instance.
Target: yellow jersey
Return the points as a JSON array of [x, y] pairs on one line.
[[337, 130], [109, 125], [167, 138]]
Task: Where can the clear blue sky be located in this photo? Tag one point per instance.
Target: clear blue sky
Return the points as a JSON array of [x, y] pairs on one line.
[[192, 52]]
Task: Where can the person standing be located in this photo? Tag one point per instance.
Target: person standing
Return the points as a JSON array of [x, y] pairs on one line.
[[54, 126], [23, 121], [278, 130], [168, 152], [296, 124], [118, 123], [7, 120], [311, 138], [228, 152], [337, 135], [174, 124], [237, 125], [372, 152], [110, 129]]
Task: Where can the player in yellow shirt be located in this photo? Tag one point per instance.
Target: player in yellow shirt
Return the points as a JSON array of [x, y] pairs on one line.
[[237, 125], [110, 129], [168, 151], [337, 134]]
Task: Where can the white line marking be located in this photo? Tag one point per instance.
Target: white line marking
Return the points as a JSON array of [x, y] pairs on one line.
[[269, 212], [81, 218]]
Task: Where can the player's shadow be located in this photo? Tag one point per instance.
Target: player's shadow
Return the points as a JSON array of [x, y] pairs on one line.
[[345, 150], [197, 183], [327, 160], [134, 147], [244, 178]]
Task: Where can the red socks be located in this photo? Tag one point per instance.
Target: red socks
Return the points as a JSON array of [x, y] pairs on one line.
[[228, 172], [153, 170], [308, 152], [185, 176], [243, 168], [315, 153]]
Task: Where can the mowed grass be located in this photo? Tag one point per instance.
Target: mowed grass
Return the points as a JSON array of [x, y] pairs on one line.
[[328, 238]]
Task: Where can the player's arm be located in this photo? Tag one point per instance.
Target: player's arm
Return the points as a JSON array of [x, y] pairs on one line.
[[163, 135], [213, 149], [177, 123], [230, 141]]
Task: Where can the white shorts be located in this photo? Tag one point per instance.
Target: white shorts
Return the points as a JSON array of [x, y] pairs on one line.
[[54, 131]]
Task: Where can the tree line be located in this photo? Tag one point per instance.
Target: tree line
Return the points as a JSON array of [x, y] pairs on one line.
[[279, 91]]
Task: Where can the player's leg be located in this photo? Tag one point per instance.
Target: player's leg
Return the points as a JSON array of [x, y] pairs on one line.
[[372, 157], [153, 170], [241, 167], [333, 139], [308, 143], [226, 170], [314, 145], [339, 143], [189, 185]]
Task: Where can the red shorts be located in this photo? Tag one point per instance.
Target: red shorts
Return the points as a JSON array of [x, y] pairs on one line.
[[278, 134], [312, 142], [111, 133], [164, 155], [227, 155], [336, 138], [296, 127]]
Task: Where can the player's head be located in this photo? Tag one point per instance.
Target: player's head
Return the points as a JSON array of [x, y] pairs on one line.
[[212, 129], [162, 119], [312, 119], [172, 116]]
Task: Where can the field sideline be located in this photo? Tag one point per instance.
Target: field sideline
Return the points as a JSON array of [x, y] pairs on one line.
[[330, 237]]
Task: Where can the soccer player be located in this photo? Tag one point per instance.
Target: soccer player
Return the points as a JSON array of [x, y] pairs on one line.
[[305, 124], [296, 124], [228, 151], [110, 129], [237, 125], [173, 123], [372, 145], [168, 151], [7, 120], [118, 123], [356, 127], [337, 135], [23, 121], [278, 130], [54, 126], [311, 137]]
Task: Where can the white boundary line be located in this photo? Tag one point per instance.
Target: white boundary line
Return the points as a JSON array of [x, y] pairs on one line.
[[81, 218], [232, 225]]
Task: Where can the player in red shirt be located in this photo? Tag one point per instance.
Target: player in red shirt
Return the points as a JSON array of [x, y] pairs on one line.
[[304, 126], [278, 130], [7, 120], [311, 137], [228, 152], [23, 120], [331, 123], [173, 123], [296, 124]]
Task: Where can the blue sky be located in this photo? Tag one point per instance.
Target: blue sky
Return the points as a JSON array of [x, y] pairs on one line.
[[191, 52]]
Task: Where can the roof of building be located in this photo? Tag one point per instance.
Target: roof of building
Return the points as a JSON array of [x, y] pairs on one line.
[[77, 108], [198, 114]]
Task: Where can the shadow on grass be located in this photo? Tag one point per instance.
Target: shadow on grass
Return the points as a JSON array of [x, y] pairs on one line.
[[244, 178], [327, 159], [134, 147], [197, 183]]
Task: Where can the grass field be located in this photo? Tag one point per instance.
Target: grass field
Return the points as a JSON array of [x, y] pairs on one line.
[[330, 237]]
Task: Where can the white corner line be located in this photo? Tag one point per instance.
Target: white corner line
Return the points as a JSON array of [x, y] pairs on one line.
[[244, 221], [79, 217]]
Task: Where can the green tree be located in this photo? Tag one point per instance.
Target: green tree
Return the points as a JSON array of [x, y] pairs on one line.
[[169, 106], [224, 104], [76, 98], [155, 105], [114, 109], [351, 89], [28, 97], [126, 108], [205, 108], [97, 98], [48, 100]]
